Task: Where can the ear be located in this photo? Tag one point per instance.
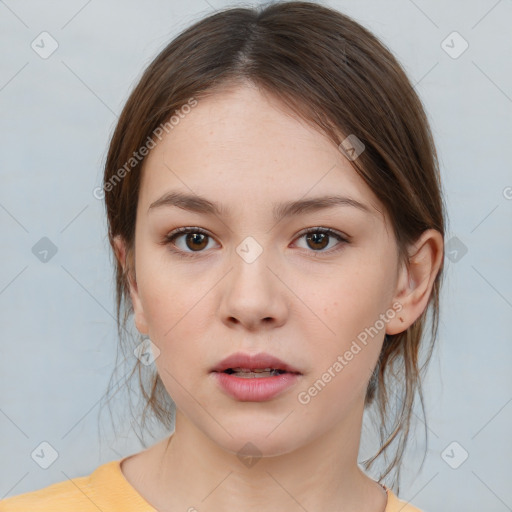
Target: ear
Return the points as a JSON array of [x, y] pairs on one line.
[[414, 284], [129, 268]]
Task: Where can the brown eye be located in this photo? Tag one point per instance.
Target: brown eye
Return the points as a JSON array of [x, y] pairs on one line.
[[187, 241], [318, 239], [196, 241]]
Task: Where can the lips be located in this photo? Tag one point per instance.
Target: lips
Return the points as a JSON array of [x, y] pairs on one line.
[[249, 362]]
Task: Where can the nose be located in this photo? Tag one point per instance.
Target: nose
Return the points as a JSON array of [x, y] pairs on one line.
[[253, 295]]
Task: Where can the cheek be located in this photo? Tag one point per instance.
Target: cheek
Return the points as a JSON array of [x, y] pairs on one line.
[[167, 295], [348, 319], [176, 310], [350, 347], [349, 300]]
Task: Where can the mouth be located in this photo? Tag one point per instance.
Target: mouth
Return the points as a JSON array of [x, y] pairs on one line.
[[247, 373], [254, 366], [254, 377]]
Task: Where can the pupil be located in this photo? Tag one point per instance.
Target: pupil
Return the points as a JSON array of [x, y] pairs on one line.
[[196, 237], [315, 238]]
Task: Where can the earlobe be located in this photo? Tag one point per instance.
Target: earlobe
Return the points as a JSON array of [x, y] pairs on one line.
[[138, 310], [415, 281]]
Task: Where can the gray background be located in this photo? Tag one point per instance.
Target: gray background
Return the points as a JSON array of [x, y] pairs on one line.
[[58, 333]]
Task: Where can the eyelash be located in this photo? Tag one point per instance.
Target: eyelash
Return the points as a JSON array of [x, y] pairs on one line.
[[169, 239]]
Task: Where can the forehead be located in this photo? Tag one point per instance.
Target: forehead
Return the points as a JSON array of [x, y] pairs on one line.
[[242, 145]]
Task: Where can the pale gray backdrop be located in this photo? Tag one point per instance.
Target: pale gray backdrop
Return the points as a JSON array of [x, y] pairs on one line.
[[58, 107]]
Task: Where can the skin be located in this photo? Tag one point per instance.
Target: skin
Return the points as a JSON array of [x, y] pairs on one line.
[[302, 302]]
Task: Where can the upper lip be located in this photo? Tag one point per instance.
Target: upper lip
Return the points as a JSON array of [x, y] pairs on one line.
[[253, 361]]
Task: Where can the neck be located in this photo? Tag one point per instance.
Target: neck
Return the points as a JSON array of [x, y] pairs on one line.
[[190, 471]]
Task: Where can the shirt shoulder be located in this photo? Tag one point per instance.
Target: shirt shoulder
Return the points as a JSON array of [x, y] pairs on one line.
[[104, 489], [397, 505], [67, 495]]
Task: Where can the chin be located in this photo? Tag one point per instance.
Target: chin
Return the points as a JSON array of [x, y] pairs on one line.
[[261, 440]]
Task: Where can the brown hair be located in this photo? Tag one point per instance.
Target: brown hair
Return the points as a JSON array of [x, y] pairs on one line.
[[335, 74]]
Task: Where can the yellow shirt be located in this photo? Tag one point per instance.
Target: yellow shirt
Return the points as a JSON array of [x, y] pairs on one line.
[[106, 489]]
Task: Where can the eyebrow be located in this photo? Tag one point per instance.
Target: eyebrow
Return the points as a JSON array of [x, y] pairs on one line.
[[198, 204]]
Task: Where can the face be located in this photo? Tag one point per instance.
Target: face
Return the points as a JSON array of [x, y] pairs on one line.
[[246, 279]]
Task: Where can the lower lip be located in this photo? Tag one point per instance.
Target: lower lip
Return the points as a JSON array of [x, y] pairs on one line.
[[257, 389]]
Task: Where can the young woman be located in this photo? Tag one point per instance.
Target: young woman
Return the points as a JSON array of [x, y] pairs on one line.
[[275, 209]]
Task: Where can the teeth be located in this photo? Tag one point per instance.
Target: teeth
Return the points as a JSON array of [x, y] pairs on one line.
[[247, 373], [256, 374], [248, 370]]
